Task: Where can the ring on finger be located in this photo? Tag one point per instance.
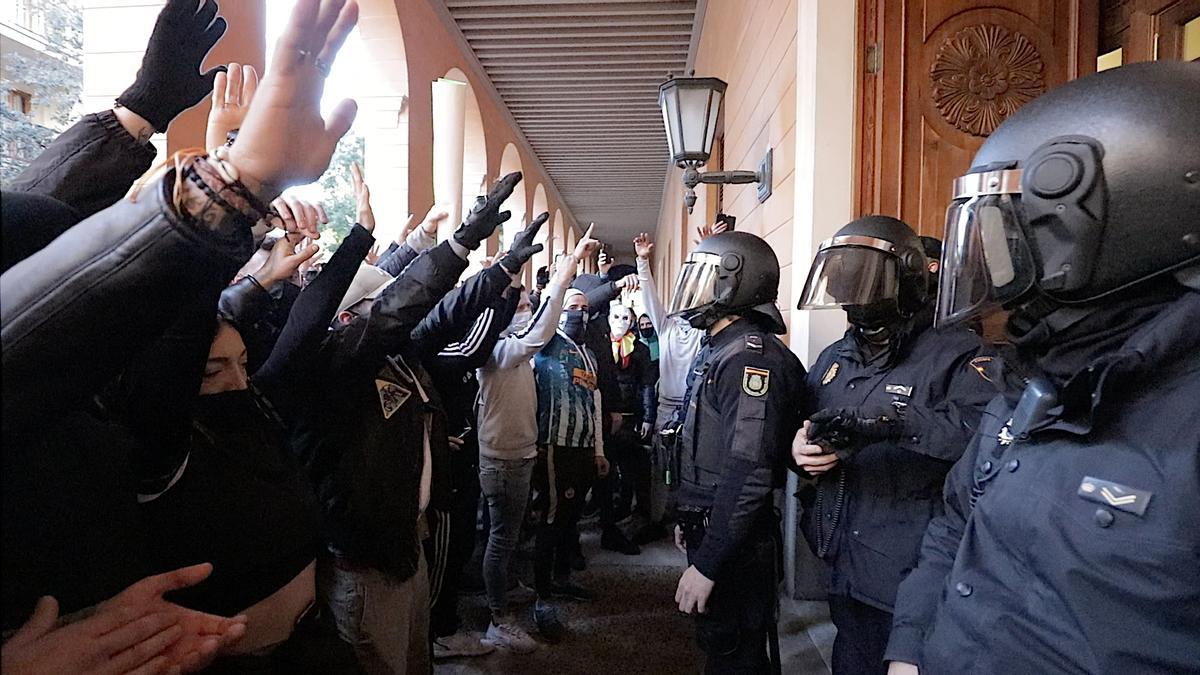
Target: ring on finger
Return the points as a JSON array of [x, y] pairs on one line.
[[322, 66]]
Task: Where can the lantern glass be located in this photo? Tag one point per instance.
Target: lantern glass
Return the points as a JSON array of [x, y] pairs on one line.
[[690, 107]]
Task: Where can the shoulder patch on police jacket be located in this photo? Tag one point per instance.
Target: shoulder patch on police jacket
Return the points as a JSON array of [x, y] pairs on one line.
[[1123, 497], [981, 365], [756, 381], [754, 343], [391, 397], [830, 374]]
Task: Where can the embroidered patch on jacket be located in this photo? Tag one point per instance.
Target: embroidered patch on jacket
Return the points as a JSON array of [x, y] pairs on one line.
[[830, 374], [1006, 436], [391, 397], [981, 364], [1122, 497], [898, 389], [756, 381]]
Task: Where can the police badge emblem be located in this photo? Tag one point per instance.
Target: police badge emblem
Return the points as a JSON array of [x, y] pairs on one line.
[[830, 374], [391, 397], [756, 381]]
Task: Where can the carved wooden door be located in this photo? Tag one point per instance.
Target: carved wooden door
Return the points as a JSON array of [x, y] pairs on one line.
[[939, 75]]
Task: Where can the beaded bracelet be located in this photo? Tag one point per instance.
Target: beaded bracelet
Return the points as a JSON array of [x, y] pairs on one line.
[[213, 177]]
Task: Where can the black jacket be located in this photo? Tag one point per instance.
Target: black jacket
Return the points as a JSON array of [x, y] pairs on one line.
[[871, 511], [67, 330], [635, 383], [362, 438], [746, 395], [1070, 539]]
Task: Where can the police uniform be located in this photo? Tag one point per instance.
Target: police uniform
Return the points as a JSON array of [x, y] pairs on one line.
[[744, 393], [866, 516]]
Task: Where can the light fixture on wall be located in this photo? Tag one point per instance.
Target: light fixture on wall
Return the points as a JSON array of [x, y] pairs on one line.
[[690, 106]]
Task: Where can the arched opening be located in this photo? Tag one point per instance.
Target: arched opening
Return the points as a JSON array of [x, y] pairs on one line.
[[510, 161], [474, 144], [559, 243], [540, 205]]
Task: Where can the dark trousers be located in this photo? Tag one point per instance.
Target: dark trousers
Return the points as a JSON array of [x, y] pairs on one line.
[[862, 636], [451, 541], [560, 479], [628, 477], [742, 608]]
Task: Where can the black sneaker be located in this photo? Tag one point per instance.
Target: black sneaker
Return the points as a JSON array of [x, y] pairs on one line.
[[614, 540], [566, 589], [651, 532], [546, 617]]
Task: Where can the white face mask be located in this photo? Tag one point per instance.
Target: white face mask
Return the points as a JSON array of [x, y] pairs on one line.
[[520, 322], [619, 323]]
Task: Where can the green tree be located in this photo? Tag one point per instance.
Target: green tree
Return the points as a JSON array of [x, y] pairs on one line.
[[340, 203], [53, 80]]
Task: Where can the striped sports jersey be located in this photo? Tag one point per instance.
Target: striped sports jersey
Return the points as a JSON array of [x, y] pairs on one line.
[[566, 392]]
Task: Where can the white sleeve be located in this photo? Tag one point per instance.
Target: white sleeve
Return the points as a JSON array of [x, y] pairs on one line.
[[654, 306], [419, 241], [518, 348]]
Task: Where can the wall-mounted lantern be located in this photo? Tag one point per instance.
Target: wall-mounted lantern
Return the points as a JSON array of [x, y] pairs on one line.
[[690, 106]]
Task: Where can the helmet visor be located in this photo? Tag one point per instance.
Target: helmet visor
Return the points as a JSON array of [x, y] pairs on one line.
[[851, 275], [985, 258], [697, 284]]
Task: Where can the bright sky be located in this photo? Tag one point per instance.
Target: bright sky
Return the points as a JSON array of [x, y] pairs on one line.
[[348, 79]]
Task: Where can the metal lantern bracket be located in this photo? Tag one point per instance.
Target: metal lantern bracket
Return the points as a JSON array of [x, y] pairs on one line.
[[692, 176]]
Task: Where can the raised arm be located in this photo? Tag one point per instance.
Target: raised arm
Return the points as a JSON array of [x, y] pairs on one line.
[[654, 305]]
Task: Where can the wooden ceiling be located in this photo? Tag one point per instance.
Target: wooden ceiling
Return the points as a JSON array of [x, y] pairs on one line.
[[581, 80]]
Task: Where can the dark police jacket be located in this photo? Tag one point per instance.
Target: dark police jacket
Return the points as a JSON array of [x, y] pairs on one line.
[[745, 399], [1071, 536], [871, 511]]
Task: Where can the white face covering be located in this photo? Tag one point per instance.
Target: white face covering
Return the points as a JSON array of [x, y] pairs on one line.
[[620, 320]]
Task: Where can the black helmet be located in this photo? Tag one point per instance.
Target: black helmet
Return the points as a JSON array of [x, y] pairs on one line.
[[1083, 192], [729, 273], [875, 268]]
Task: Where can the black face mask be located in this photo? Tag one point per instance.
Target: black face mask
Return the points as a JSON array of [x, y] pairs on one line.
[[228, 411], [574, 323], [873, 316], [648, 333]]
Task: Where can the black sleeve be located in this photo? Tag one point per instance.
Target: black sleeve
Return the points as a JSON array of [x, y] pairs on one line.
[[388, 329], [90, 166], [754, 429], [245, 303], [917, 598], [77, 311], [397, 260], [458, 311], [646, 378], [391, 250], [280, 378], [474, 349], [601, 296], [944, 425]]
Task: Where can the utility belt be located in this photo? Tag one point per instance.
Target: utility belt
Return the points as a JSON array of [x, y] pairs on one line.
[[693, 522], [670, 438]]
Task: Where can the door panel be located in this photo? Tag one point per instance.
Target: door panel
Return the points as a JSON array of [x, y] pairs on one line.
[[940, 75]]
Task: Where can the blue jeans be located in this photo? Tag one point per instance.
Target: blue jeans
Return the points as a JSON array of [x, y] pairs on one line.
[[505, 484]]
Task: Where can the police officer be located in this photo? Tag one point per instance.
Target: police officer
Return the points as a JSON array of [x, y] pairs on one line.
[[738, 421], [1069, 541], [897, 402]]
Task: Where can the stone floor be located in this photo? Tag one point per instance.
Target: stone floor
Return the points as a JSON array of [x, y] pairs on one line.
[[633, 626]]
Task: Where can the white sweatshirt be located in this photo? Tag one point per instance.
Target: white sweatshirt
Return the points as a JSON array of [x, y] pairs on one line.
[[507, 405], [678, 345]]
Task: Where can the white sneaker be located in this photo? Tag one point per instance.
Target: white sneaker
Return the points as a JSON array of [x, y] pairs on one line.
[[510, 636], [461, 644]]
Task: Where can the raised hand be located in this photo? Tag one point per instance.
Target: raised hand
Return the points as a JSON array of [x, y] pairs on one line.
[[284, 261], [203, 636], [709, 229], [170, 80], [587, 245], [605, 262], [642, 246], [523, 247], [231, 95], [434, 219], [628, 283], [284, 140], [107, 642], [486, 216], [566, 265], [299, 216], [362, 194]]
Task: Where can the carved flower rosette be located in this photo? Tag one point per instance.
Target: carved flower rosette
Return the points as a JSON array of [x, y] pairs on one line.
[[982, 74]]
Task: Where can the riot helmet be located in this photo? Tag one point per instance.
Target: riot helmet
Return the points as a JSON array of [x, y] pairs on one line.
[[732, 273], [874, 268], [1084, 192]]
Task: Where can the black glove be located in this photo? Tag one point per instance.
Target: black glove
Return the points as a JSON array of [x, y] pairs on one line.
[[523, 247], [170, 80], [841, 427], [486, 216]]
